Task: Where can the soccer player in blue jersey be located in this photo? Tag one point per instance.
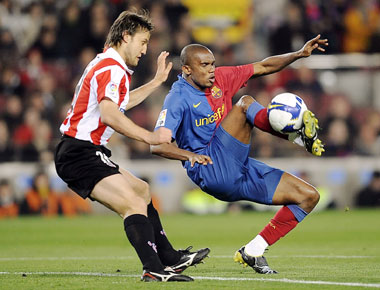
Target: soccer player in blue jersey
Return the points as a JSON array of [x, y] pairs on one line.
[[213, 141]]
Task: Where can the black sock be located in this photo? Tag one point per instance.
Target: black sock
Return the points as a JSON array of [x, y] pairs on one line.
[[168, 255], [140, 234]]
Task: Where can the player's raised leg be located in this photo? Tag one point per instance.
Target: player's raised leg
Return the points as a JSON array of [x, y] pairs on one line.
[[247, 112], [236, 123], [116, 193]]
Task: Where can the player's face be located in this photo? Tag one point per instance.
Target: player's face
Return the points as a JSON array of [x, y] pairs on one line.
[[201, 70], [135, 46]]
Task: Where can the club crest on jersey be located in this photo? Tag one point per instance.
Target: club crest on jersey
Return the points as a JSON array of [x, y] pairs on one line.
[[111, 89], [216, 92], [161, 118]]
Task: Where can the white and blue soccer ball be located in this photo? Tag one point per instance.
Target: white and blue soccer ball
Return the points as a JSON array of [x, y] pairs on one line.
[[285, 113]]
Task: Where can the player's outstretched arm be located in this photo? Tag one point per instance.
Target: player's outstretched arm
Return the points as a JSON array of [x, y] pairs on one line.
[[171, 151], [111, 116], [276, 63], [141, 93]]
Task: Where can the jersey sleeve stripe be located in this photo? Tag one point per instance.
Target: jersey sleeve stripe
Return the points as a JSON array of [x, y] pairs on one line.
[[109, 82], [123, 85], [102, 79]]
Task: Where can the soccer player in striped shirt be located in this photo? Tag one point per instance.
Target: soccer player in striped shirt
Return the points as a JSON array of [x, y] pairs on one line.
[[83, 162], [213, 141]]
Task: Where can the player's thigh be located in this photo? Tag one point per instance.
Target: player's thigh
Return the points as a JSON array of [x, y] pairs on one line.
[[236, 123], [139, 186], [292, 190], [116, 193]]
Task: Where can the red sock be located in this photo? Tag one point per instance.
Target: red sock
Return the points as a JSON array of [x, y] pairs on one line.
[[282, 223], [262, 122]]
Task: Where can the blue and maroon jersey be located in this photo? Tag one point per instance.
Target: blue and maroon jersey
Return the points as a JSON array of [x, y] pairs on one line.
[[193, 115]]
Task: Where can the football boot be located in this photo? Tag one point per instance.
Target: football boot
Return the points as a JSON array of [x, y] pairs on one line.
[[309, 134], [189, 259], [164, 276], [259, 264]]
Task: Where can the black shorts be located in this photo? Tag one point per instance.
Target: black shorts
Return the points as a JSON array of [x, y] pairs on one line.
[[82, 164]]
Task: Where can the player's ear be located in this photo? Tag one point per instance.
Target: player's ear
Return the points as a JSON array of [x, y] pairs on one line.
[[126, 37], [186, 69]]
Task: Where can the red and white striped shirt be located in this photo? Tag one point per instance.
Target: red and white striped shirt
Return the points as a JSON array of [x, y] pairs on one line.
[[106, 75]]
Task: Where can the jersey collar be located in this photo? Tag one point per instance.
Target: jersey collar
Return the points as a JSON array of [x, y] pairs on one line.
[[112, 53], [189, 86]]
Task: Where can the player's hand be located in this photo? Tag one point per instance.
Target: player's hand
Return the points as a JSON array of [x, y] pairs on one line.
[[201, 159], [160, 136], [315, 43], [162, 69]]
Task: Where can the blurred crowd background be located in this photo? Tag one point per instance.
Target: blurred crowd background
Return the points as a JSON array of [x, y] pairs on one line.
[[46, 44]]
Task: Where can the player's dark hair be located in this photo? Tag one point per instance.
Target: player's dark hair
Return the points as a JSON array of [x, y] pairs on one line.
[[128, 22]]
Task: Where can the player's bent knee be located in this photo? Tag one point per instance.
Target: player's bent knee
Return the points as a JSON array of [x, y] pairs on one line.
[[145, 191], [135, 206], [142, 188], [311, 196], [316, 197], [245, 101]]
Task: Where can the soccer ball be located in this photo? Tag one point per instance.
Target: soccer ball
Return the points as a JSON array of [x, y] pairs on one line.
[[285, 113]]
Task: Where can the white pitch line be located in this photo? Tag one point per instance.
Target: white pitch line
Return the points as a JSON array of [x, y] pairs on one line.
[[132, 257], [284, 280], [70, 273], [63, 258], [310, 256]]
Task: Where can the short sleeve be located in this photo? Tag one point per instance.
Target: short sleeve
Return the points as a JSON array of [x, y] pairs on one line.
[[109, 84], [171, 114], [235, 77]]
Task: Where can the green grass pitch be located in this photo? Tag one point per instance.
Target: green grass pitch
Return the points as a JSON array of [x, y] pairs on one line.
[[328, 250]]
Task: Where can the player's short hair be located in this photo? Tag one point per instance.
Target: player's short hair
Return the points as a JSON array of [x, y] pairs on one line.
[[188, 51], [128, 22]]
